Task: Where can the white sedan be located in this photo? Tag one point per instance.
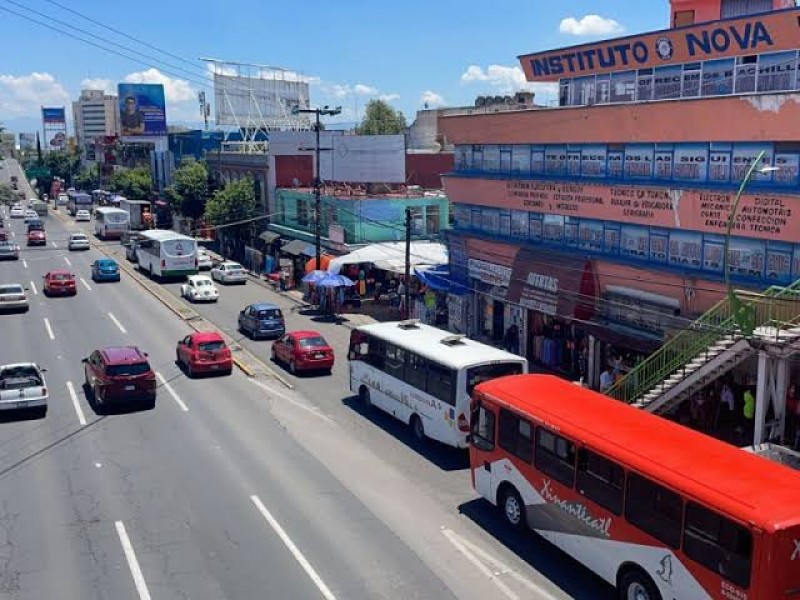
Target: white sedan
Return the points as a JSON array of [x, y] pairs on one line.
[[83, 215], [199, 288], [204, 262], [31, 215], [229, 272], [17, 212], [78, 241], [22, 385], [12, 297]]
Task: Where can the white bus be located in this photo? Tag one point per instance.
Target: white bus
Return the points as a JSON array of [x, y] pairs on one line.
[[110, 222], [163, 253], [424, 376]]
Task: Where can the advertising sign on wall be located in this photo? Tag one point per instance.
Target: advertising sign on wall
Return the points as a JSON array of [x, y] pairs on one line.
[[27, 141], [490, 273], [142, 110]]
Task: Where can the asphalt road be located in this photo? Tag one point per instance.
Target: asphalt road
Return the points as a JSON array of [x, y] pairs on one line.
[[231, 487]]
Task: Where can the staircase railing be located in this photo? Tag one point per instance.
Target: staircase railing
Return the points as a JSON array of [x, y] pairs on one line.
[[777, 306]]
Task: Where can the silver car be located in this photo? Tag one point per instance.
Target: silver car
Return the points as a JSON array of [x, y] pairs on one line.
[[22, 385], [13, 297], [9, 251], [78, 241], [229, 272]]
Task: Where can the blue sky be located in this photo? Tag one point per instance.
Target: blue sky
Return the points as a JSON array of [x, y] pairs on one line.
[[441, 51]]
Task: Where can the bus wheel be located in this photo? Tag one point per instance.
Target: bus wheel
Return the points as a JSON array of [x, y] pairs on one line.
[[636, 585], [417, 428], [363, 394], [513, 508]]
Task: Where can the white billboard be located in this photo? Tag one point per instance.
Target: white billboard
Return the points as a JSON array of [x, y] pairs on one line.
[[365, 159], [264, 101], [294, 143], [27, 141]]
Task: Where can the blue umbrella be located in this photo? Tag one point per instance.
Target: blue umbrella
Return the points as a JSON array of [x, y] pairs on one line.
[[335, 280], [315, 276]]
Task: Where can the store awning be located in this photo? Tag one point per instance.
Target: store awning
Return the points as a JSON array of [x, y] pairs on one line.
[[298, 248], [391, 256], [269, 236], [439, 278]]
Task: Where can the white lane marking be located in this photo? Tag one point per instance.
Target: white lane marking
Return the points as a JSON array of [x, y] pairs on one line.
[[76, 403], [474, 554], [24, 263], [54, 244], [66, 260], [291, 400], [49, 329], [287, 541], [172, 392], [130, 555], [117, 323], [86, 285], [33, 287]]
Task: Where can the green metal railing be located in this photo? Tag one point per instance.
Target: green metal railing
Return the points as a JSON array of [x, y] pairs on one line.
[[777, 306]]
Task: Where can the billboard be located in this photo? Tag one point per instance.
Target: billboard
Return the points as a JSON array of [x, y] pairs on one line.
[[142, 110], [54, 127], [53, 116], [365, 159], [27, 141], [262, 101]]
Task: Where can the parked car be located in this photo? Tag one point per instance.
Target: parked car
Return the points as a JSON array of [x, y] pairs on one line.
[[22, 386], [83, 215], [229, 272], [262, 319], [30, 215], [204, 352], [204, 262], [9, 251], [78, 241], [59, 282], [12, 297], [119, 374], [37, 237], [105, 269], [303, 351], [17, 212], [198, 288]]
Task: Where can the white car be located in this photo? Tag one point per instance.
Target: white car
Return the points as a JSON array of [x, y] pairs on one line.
[[204, 262], [22, 385], [83, 215], [30, 215], [78, 241], [31, 202], [62, 200], [229, 272], [199, 288], [17, 212], [12, 297]]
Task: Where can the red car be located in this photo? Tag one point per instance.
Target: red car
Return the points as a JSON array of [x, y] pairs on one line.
[[59, 282], [37, 237], [119, 374], [303, 351], [204, 352]]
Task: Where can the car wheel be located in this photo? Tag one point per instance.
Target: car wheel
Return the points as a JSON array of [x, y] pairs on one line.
[[417, 428], [363, 395], [190, 370], [513, 508], [273, 356], [635, 585], [292, 367], [96, 396]]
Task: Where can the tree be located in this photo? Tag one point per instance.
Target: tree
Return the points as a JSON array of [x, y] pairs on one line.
[[189, 189], [87, 179], [381, 119], [236, 202], [6, 194], [62, 164], [135, 184]]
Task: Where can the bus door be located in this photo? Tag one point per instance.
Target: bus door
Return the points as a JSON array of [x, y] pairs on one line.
[[482, 443]]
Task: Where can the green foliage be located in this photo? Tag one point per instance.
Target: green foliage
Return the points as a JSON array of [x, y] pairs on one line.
[[189, 189], [7, 195], [87, 179], [135, 184], [236, 202], [62, 164], [381, 119]]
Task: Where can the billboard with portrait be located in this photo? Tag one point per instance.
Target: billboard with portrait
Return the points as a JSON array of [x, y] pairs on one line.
[[142, 110]]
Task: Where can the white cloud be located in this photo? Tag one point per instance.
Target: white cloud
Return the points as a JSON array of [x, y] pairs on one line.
[[506, 80], [590, 25], [24, 95], [175, 90], [431, 99], [389, 97], [364, 90], [99, 83]]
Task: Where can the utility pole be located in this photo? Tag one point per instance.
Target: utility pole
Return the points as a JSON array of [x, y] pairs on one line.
[[408, 264], [317, 112]]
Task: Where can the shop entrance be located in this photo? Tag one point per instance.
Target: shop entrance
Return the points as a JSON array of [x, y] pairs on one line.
[[498, 320]]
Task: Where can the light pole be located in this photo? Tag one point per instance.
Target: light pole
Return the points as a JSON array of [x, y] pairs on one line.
[[743, 315], [317, 112]]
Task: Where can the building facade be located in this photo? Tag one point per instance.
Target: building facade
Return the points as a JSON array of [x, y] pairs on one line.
[[598, 227], [95, 114]]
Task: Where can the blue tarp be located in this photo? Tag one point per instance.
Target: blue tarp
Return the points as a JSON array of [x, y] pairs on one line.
[[439, 278]]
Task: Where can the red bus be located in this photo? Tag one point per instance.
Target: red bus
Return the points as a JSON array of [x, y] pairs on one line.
[[654, 508]]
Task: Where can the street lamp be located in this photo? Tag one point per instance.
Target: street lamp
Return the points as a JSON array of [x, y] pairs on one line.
[[743, 315], [328, 111]]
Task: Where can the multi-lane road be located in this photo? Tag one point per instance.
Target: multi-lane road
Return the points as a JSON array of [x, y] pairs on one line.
[[233, 487]]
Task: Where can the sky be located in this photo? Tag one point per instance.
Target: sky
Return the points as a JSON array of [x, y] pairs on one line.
[[440, 52]]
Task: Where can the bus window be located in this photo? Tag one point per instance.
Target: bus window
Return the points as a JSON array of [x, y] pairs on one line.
[[416, 371], [477, 375], [718, 544], [654, 509], [516, 435], [601, 480], [483, 429], [441, 383], [394, 362], [555, 456]]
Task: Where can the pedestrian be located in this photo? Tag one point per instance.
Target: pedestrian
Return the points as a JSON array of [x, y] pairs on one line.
[[401, 292], [749, 412], [727, 403], [791, 413], [511, 339], [606, 380]]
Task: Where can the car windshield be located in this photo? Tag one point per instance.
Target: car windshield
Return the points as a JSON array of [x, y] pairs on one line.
[[10, 289], [60, 277], [212, 346], [79, 238], [18, 378], [477, 375], [234, 267], [269, 313], [6, 247], [107, 264], [312, 342], [127, 370]]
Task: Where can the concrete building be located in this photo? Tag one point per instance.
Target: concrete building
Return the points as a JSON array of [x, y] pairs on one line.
[[597, 227], [95, 114]]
